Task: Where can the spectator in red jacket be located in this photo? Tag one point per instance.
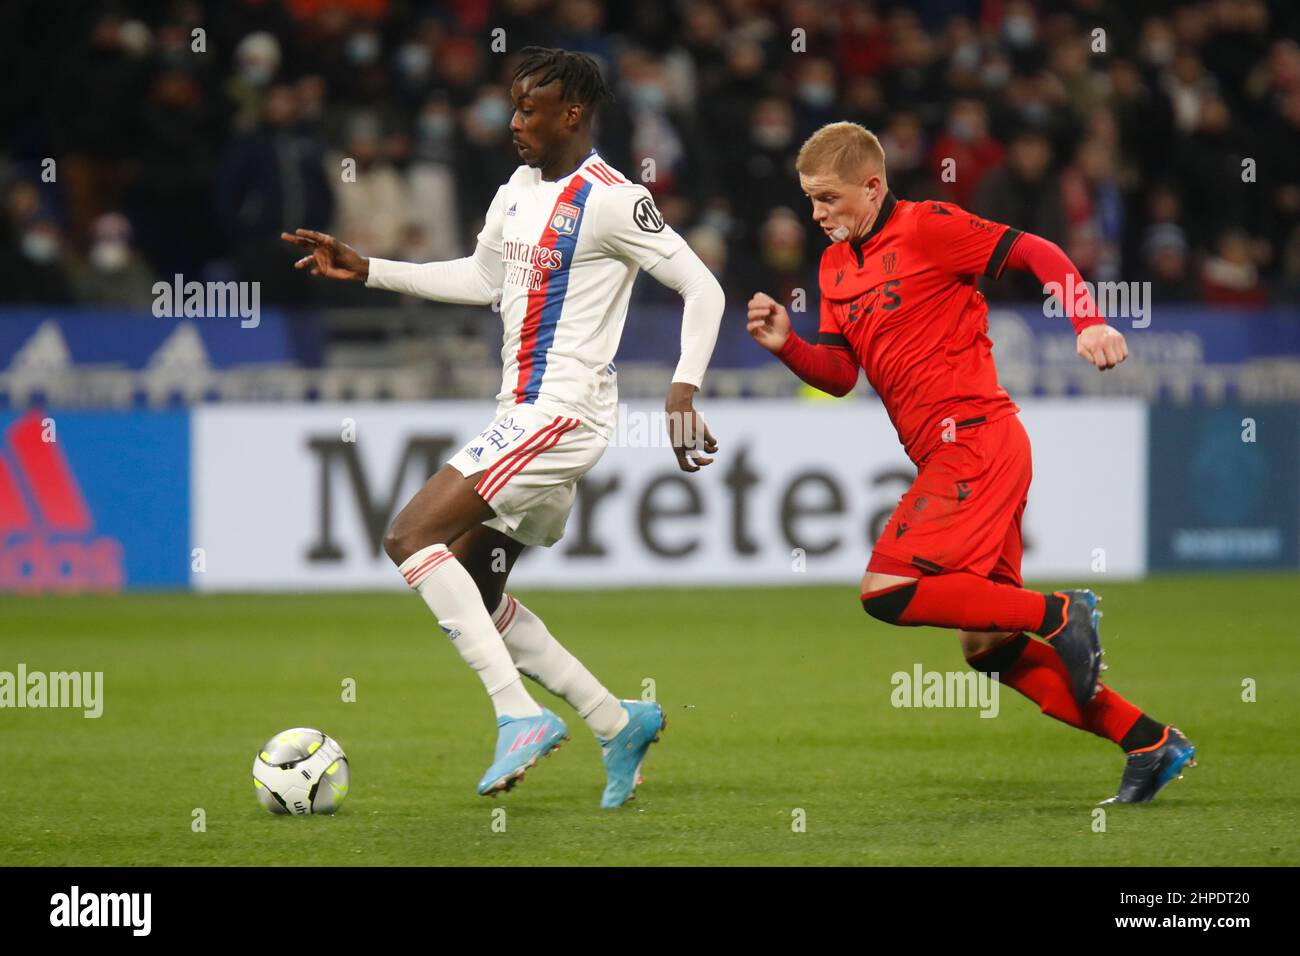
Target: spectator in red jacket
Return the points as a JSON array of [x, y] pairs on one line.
[[964, 153]]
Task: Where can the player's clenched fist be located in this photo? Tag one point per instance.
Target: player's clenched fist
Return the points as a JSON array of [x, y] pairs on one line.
[[328, 257], [1102, 345], [768, 322]]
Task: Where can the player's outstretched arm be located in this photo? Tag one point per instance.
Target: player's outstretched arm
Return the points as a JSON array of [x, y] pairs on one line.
[[1097, 342], [962, 244], [832, 369], [473, 280], [701, 318]]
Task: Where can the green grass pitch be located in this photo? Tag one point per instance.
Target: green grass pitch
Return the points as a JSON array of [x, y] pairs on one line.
[[777, 700]]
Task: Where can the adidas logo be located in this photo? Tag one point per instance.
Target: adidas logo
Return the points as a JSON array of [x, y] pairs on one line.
[[511, 210], [475, 452], [47, 533]]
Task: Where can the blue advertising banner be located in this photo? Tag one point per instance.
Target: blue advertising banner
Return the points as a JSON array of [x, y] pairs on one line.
[[1177, 336], [55, 337], [1224, 488], [94, 501]]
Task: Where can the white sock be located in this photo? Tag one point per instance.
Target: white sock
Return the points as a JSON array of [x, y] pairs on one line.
[[540, 656], [454, 599]]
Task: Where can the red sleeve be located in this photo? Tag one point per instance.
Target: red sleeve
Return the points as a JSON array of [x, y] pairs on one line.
[[963, 244], [828, 327], [1050, 265], [831, 368]]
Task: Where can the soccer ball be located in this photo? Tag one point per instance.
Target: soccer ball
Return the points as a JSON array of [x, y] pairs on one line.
[[301, 771]]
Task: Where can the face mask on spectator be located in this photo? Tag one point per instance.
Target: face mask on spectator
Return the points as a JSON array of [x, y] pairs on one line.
[[962, 130], [40, 247], [435, 128], [491, 113], [648, 96], [257, 72], [109, 255], [1034, 111], [717, 220], [966, 56], [904, 155], [1019, 30], [413, 60], [258, 56], [816, 95], [363, 48]]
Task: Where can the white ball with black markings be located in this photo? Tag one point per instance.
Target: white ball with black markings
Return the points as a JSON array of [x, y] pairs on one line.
[[301, 771]]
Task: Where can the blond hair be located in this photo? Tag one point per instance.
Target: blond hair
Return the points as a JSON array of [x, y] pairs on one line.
[[847, 150]]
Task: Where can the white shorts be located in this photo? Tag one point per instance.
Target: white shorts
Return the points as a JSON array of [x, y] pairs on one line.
[[529, 462]]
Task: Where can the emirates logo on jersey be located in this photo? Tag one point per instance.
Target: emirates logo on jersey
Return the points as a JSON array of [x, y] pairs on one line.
[[527, 254], [527, 265]]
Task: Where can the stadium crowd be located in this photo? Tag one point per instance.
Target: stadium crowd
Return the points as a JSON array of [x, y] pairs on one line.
[[1157, 141]]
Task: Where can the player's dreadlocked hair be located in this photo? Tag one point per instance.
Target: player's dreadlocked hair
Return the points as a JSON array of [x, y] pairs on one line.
[[579, 75]]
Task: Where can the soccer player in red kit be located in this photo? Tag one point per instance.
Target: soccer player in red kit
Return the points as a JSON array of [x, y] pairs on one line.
[[899, 300]]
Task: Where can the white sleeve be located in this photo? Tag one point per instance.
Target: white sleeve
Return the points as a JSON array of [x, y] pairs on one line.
[[474, 280], [684, 272], [631, 228]]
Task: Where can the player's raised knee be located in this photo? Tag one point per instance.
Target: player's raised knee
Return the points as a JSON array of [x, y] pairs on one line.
[[884, 596], [400, 544]]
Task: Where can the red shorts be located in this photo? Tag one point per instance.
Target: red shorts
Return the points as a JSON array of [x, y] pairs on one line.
[[963, 511]]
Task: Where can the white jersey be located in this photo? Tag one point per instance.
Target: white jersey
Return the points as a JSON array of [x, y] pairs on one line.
[[571, 250]]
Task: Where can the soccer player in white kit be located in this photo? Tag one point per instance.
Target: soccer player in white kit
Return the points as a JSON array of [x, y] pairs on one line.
[[562, 243]]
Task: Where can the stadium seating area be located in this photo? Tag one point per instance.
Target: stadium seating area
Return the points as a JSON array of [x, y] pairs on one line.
[[185, 152]]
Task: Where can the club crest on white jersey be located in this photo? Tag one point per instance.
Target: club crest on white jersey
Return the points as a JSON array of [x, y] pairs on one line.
[[565, 220]]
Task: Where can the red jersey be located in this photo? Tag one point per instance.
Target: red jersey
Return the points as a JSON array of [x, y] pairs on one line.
[[904, 301]]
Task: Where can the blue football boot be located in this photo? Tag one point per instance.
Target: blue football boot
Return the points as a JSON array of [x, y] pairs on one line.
[[624, 754], [521, 742], [1149, 770]]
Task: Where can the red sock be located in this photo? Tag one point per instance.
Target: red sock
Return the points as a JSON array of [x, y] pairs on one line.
[[962, 600], [1109, 715], [1039, 674]]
